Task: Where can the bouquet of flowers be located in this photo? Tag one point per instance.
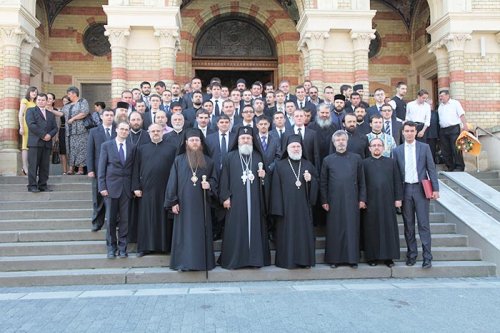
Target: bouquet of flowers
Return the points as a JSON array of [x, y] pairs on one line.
[[468, 143]]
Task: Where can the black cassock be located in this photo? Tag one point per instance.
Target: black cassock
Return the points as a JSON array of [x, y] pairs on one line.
[[324, 135], [379, 223], [357, 143], [151, 170], [244, 244], [136, 139], [291, 207], [189, 237], [342, 186]]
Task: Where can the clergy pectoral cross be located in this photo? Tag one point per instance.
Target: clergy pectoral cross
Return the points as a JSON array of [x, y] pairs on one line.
[[244, 178]]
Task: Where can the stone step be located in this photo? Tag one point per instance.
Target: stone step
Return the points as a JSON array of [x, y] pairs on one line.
[[88, 261], [23, 180], [271, 273], [45, 214], [485, 174], [43, 225], [82, 232], [39, 204], [46, 196], [491, 182], [99, 246], [55, 187]]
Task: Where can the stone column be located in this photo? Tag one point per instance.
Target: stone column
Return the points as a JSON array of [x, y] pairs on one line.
[[11, 38], [455, 44], [169, 43], [315, 42], [26, 48], [306, 61], [118, 38], [443, 70], [361, 46]]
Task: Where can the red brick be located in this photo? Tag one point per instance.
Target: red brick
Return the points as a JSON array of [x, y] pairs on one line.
[[361, 75], [294, 80], [254, 10], [457, 76], [9, 134], [166, 73], [316, 74], [269, 22], [187, 36], [393, 38], [278, 14], [444, 82], [11, 103], [91, 20], [215, 10], [287, 37], [235, 7], [288, 59], [482, 77], [190, 12], [70, 56], [338, 77], [395, 80], [25, 79], [63, 79], [199, 21], [182, 79], [83, 11], [13, 72], [63, 33], [143, 75], [390, 15], [481, 105], [119, 73], [390, 60]]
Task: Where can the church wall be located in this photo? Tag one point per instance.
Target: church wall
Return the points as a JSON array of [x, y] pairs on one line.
[[392, 63], [419, 33], [70, 62], [485, 5], [267, 13]]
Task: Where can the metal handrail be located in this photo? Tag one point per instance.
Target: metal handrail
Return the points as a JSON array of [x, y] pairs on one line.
[[477, 135]]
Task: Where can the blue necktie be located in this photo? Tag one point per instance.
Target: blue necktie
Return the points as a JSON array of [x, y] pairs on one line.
[[264, 143], [121, 152]]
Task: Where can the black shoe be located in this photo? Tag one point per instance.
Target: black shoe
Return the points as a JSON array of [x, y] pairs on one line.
[[411, 261], [389, 263], [33, 190], [427, 264], [123, 254], [372, 263], [111, 255], [354, 266], [140, 254], [45, 189], [96, 228]]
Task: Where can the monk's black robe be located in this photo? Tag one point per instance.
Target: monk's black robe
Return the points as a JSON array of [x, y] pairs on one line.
[[291, 206], [342, 186], [192, 235], [379, 224], [151, 171]]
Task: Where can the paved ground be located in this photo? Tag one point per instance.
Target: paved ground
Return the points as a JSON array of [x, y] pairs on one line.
[[409, 305]]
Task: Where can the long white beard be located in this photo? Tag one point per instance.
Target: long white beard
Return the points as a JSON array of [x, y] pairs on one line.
[[245, 149], [323, 122], [294, 156]]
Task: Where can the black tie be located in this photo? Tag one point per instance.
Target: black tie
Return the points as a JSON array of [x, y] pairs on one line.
[[281, 133], [301, 105], [300, 131], [217, 110], [121, 152], [223, 147], [108, 134]]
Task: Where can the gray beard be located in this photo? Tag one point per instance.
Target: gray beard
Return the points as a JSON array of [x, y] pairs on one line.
[[178, 128], [324, 122], [293, 156], [245, 149]]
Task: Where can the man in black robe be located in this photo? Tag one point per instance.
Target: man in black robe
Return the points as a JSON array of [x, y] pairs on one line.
[[243, 187], [192, 174], [324, 129], [293, 193], [343, 193], [137, 137], [151, 170], [357, 143], [384, 193]]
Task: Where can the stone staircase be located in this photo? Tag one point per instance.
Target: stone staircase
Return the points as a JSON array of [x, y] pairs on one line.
[[491, 178], [45, 239]]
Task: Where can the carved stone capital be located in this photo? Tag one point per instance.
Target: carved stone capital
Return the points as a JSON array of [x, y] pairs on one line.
[[29, 44], [117, 36], [439, 51], [169, 38], [361, 40], [455, 42], [12, 36], [314, 40]]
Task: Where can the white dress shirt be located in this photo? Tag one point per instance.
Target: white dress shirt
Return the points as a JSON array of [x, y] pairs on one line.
[[450, 113], [419, 113], [411, 174], [124, 147]]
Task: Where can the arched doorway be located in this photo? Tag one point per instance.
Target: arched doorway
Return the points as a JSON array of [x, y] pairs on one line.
[[232, 47]]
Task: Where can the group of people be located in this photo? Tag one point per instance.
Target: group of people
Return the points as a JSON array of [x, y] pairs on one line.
[[172, 172]]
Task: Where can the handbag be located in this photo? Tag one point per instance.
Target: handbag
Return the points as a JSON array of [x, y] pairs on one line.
[[88, 122]]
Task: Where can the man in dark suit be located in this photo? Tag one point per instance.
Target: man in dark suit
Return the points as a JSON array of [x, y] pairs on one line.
[[97, 136], [114, 181], [302, 102], [270, 145], [218, 142], [202, 122], [392, 126], [285, 87], [42, 128], [309, 138], [415, 163]]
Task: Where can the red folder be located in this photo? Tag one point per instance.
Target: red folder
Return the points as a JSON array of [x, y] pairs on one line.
[[427, 186]]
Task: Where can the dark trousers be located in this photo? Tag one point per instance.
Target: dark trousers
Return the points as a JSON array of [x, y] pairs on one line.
[[117, 215], [38, 165], [415, 203], [420, 126], [433, 145], [452, 157], [99, 209]]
